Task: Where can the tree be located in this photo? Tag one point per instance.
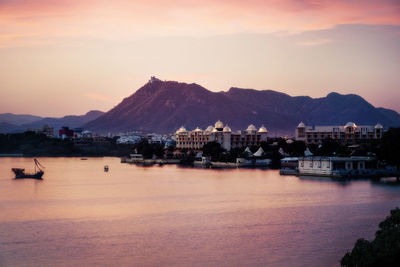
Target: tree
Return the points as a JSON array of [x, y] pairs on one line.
[[296, 149], [213, 150], [328, 147], [389, 150], [383, 251], [148, 150]]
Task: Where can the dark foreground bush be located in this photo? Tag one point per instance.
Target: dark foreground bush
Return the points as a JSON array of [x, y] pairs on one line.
[[383, 251]]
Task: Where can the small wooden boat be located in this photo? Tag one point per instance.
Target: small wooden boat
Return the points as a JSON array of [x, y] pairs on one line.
[[20, 173]]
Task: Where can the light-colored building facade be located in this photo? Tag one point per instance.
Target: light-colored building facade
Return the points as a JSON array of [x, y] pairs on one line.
[[197, 138], [347, 134], [335, 166]]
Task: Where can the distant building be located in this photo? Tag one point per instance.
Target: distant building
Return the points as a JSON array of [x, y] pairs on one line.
[[46, 130], [154, 79], [347, 134], [78, 132], [129, 138], [197, 138], [65, 132], [86, 134], [155, 138]]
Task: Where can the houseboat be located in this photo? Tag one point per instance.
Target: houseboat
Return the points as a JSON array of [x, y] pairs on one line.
[[350, 167]]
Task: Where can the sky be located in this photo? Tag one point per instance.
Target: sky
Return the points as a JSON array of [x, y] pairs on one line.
[[62, 57]]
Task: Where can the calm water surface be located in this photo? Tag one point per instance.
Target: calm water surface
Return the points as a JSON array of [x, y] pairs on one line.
[[172, 216]]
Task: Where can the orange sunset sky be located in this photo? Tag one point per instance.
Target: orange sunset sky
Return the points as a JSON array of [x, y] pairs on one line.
[[68, 57]]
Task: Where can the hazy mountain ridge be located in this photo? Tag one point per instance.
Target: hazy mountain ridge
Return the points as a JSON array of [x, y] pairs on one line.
[[18, 119], [72, 121], [163, 106]]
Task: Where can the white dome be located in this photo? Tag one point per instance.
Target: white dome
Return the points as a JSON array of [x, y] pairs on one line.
[[301, 125], [350, 124], [378, 126], [181, 130], [209, 129], [214, 130], [262, 129], [227, 129], [251, 128], [219, 124], [197, 129]]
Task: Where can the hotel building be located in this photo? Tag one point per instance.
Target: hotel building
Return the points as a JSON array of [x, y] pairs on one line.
[[197, 138], [347, 134]]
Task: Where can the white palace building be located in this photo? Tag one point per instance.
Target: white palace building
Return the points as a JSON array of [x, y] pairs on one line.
[[197, 138], [347, 134]]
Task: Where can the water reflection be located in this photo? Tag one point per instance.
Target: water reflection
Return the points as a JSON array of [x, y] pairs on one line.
[[169, 215]]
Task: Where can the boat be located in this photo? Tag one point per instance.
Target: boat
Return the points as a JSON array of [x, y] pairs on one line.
[[20, 173]]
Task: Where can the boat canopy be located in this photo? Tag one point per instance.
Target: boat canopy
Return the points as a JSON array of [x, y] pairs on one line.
[[259, 152], [248, 152]]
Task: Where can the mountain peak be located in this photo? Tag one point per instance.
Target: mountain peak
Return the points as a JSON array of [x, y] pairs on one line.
[[163, 106], [154, 79], [333, 94], [157, 86]]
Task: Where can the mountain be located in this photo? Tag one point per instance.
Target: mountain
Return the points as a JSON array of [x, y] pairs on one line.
[[6, 127], [391, 114], [71, 121], [164, 106], [17, 119]]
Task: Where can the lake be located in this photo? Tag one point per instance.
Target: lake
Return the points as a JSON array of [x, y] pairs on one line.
[[174, 216]]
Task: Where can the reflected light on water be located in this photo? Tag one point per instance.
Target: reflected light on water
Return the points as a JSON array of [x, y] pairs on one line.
[[168, 215]]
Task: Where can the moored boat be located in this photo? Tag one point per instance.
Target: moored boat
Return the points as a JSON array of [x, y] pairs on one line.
[[20, 173]]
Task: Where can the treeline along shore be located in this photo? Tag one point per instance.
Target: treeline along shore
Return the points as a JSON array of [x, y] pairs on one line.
[[30, 144]]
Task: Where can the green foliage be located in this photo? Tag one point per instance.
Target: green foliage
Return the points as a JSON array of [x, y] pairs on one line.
[[236, 153], [329, 147], [272, 151], [296, 149], [148, 150], [383, 251], [32, 144], [389, 149], [213, 150]]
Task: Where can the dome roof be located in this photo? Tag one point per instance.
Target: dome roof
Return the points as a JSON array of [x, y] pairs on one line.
[[301, 125], [214, 130], [219, 124], [197, 129], [378, 126], [262, 129], [227, 129], [181, 130], [251, 128], [350, 124], [209, 128]]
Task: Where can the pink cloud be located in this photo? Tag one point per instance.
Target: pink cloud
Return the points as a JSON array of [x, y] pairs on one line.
[[314, 42], [123, 19]]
